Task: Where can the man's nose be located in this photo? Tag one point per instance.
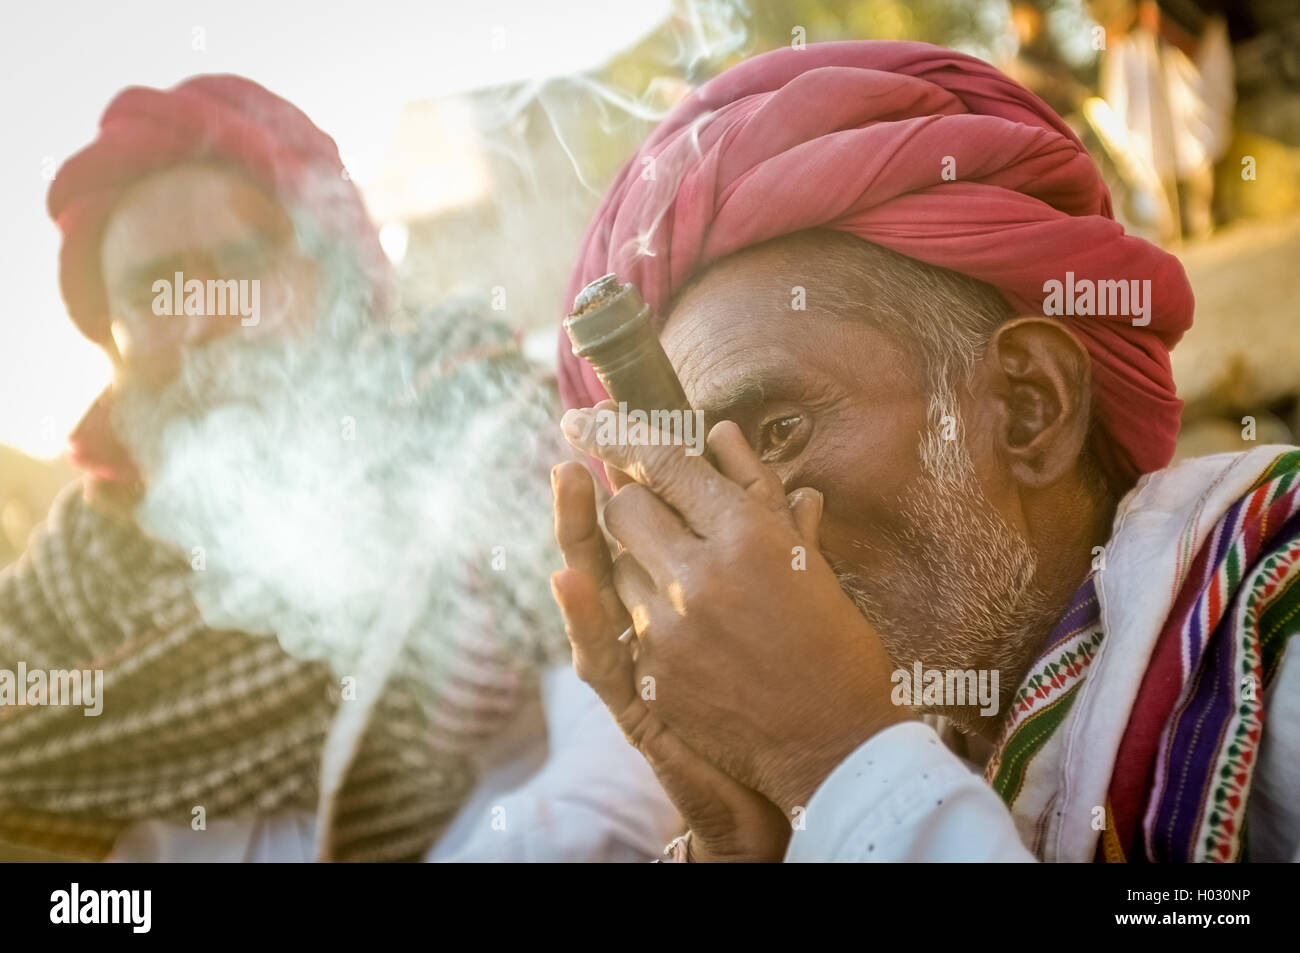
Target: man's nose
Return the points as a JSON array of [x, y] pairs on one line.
[[158, 341]]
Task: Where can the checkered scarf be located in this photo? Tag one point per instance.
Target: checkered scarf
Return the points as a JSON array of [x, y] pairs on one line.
[[232, 723]]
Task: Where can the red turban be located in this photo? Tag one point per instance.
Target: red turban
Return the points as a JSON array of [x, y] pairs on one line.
[[853, 136], [145, 130]]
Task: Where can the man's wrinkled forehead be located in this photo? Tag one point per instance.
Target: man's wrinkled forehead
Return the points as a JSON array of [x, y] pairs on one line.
[[729, 338], [747, 332]]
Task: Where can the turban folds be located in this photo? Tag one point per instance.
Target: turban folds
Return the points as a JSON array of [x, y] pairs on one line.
[[221, 117], [925, 151]]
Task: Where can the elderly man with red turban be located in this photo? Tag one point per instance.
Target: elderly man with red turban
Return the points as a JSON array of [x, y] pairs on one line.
[[306, 641], [937, 502]]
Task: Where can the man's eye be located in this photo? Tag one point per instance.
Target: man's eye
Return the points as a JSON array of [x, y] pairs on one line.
[[781, 436]]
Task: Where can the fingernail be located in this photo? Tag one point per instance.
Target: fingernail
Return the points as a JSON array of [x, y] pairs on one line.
[[573, 423], [809, 494], [818, 499]]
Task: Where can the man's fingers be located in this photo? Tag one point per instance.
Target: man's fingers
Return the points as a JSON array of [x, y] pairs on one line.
[[601, 661], [688, 483], [598, 657], [806, 509], [635, 589], [738, 462], [649, 529], [617, 478], [577, 529], [711, 802]]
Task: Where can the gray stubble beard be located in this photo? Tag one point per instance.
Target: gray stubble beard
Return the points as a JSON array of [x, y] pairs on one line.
[[960, 590]]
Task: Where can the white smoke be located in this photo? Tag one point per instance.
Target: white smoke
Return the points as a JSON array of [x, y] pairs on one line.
[[365, 488], [323, 483]]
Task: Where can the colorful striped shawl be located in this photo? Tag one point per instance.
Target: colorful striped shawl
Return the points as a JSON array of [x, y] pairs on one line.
[[1183, 759]]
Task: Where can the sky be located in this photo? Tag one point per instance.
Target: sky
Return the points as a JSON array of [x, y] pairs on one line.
[[350, 66]]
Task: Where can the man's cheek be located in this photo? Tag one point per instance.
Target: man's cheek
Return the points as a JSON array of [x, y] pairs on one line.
[[863, 548], [844, 541]]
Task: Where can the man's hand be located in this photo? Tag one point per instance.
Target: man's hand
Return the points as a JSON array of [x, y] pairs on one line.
[[728, 821], [748, 654]]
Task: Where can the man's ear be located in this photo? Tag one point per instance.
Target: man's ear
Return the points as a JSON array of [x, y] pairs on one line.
[[1041, 377]]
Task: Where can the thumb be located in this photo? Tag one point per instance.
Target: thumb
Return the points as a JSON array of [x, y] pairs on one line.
[[806, 506]]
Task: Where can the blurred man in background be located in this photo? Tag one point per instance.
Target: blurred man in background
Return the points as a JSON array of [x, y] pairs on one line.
[[307, 558]]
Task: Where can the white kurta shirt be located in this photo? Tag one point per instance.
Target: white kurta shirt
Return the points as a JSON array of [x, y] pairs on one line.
[[561, 784], [903, 796]]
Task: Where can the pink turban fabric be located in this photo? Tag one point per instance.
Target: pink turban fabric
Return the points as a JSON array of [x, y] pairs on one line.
[[853, 136], [218, 116]]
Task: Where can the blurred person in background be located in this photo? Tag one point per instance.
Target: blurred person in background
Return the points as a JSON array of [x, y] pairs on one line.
[[924, 467], [1165, 116], [308, 555]]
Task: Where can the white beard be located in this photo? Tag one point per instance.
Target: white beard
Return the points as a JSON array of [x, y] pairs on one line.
[[337, 490]]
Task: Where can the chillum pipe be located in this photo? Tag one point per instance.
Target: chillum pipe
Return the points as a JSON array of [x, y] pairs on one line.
[[610, 328]]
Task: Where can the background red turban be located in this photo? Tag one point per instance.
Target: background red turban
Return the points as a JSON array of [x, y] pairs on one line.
[[852, 136], [224, 117], [145, 130]]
